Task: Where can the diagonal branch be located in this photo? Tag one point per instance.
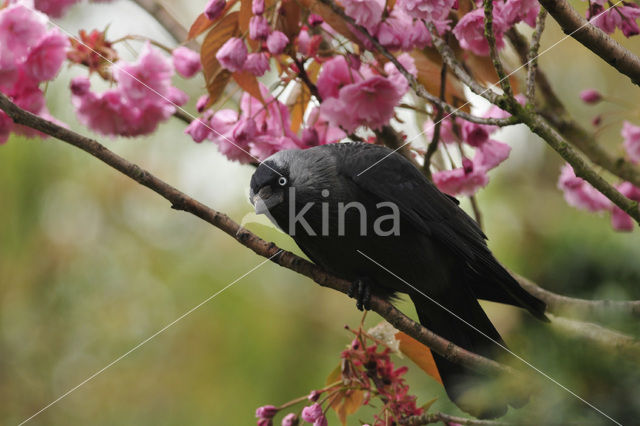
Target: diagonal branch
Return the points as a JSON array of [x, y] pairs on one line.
[[594, 39], [495, 58], [181, 201], [532, 63]]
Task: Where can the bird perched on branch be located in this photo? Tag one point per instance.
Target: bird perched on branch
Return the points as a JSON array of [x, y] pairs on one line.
[[366, 214]]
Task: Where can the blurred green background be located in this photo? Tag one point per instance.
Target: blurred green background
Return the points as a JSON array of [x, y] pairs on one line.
[[91, 264]]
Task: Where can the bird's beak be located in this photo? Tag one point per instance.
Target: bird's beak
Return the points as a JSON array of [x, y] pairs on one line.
[[266, 199]]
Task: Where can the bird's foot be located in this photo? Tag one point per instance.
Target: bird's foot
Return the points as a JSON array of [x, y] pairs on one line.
[[361, 291]]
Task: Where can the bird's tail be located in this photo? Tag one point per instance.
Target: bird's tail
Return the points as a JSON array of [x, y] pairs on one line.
[[472, 392]]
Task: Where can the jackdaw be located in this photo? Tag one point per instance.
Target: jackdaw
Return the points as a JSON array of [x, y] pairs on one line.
[[366, 214]]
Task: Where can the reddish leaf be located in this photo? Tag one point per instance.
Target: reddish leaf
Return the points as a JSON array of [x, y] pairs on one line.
[[429, 76], [289, 19], [351, 402], [202, 23], [300, 97], [215, 77], [249, 84], [419, 354]]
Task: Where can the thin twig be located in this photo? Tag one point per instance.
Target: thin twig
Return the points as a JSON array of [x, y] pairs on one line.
[[181, 201], [164, 18], [533, 56], [433, 145], [430, 418], [493, 51]]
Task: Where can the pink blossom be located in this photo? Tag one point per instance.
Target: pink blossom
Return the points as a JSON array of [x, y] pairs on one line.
[[308, 44], [470, 31], [335, 74], [8, 68], [144, 80], [365, 12], [222, 124], [315, 20], [245, 130], [214, 9], [264, 422], [20, 29], [515, 11], [465, 180], [429, 10], [262, 147], [321, 421], [590, 96], [232, 54], [202, 103], [257, 64], [474, 134], [198, 129], [370, 103], [623, 17], [621, 221], [290, 419], [311, 413], [447, 134], [259, 28], [186, 61], [46, 57], [396, 78], [579, 193], [6, 125], [177, 96], [276, 42], [631, 135], [257, 7], [266, 412], [54, 8], [323, 130], [80, 86], [490, 154]]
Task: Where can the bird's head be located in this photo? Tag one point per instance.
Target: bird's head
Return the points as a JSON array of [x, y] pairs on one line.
[[270, 183]]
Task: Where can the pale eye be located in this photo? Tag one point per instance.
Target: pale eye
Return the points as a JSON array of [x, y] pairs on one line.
[[282, 181]]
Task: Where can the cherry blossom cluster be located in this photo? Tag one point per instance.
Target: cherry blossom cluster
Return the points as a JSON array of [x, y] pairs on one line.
[[31, 54], [366, 373], [623, 16]]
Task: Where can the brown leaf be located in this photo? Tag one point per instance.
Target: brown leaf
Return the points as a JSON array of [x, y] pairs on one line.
[[335, 375], [300, 97], [289, 18], [419, 354], [429, 68], [249, 83], [351, 402], [243, 23], [482, 69], [215, 77], [202, 23]]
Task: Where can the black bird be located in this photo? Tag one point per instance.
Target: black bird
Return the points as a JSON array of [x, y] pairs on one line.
[[426, 239]]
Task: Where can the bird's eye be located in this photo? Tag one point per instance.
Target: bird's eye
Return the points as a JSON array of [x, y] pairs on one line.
[[282, 181]]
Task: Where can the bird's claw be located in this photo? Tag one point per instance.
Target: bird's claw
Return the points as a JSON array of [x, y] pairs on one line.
[[361, 290]]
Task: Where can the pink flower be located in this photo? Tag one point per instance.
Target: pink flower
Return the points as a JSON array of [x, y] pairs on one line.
[[490, 154], [290, 419], [474, 134], [245, 130], [631, 135], [265, 422], [590, 96], [315, 20], [470, 31], [214, 9], [447, 134], [257, 7], [266, 412], [232, 54], [396, 78], [45, 58], [621, 221], [276, 42], [142, 81], [370, 102], [222, 124], [54, 8], [320, 421], [20, 29], [259, 28], [186, 61], [465, 180], [307, 44], [579, 193], [515, 11], [177, 96], [325, 133], [80, 86], [430, 10], [257, 64], [365, 12], [335, 74], [262, 147], [623, 17], [198, 129], [201, 103], [311, 413]]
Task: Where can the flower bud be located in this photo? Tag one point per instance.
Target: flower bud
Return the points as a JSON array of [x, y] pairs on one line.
[[590, 96]]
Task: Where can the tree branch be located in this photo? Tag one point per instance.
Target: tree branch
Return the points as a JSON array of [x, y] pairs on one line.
[[556, 114], [532, 62], [435, 139], [164, 18], [495, 58], [594, 39], [430, 418], [181, 201], [559, 304]]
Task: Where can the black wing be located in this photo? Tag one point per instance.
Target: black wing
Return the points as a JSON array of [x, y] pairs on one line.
[[391, 177]]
